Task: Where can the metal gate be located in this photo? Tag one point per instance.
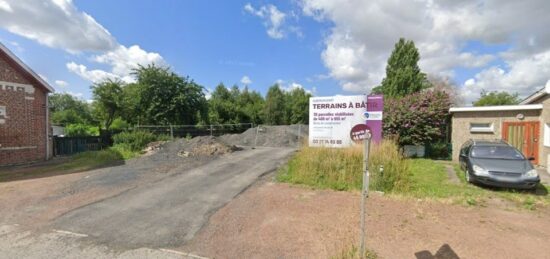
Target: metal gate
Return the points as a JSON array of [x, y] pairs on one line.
[[524, 136]]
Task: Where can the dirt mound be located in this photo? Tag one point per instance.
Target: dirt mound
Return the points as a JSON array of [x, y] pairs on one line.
[[270, 136], [153, 147], [206, 146]]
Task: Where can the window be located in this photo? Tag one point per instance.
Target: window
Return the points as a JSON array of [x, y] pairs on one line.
[[3, 114], [481, 127], [547, 134]]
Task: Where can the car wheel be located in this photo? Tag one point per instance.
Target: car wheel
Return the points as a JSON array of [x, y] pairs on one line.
[[468, 177]]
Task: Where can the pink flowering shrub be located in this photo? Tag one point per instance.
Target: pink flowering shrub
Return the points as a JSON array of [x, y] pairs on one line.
[[418, 118]]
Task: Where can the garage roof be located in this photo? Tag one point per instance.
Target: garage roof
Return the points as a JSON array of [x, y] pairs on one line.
[[497, 108]]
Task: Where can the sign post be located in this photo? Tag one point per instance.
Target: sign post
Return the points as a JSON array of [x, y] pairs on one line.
[[365, 190]]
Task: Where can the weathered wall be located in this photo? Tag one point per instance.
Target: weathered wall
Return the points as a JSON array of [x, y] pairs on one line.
[[544, 151], [461, 126], [23, 130]]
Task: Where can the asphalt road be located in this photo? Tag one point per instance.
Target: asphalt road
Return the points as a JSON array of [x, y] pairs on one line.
[[168, 212]]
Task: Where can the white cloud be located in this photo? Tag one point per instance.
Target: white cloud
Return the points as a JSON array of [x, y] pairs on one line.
[[57, 24], [289, 86], [95, 75], [245, 80], [122, 61], [5, 6], [274, 20], [61, 83], [365, 31], [523, 76], [77, 95]]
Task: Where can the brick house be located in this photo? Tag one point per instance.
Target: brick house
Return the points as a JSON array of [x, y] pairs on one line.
[[24, 116], [525, 126]]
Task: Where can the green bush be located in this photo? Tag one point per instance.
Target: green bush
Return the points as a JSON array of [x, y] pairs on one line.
[[438, 150], [134, 140], [119, 125], [81, 130]]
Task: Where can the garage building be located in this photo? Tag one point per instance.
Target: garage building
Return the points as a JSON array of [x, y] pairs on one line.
[[24, 117], [525, 126]]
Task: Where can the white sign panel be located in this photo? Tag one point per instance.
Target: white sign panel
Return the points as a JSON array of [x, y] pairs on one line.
[[337, 121]]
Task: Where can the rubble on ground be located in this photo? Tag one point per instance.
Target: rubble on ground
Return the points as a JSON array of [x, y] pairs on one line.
[[206, 146]]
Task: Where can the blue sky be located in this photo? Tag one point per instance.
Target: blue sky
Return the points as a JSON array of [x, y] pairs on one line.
[[327, 47]]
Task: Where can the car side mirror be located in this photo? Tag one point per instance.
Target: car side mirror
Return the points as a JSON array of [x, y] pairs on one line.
[[531, 158]]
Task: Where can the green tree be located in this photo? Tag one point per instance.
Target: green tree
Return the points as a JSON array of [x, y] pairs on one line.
[[496, 98], [163, 97], [251, 104], [67, 109], [297, 101], [403, 76], [222, 105], [275, 106], [235, 105], [107, 101]]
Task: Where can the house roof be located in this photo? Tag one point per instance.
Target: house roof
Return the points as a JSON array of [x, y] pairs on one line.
[[497, 108], [26, 69]]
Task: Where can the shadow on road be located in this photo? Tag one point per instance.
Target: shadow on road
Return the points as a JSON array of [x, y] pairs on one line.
[[445, 252]]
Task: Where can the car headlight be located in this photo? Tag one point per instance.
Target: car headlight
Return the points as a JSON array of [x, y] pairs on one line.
[[479, 170], [532, 173]]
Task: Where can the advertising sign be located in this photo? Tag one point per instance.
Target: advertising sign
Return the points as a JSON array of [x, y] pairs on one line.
[[373, 116], [337, 121], [341, 121]]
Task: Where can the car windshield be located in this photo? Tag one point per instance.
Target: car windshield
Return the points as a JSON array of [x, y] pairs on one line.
[[497, 152]]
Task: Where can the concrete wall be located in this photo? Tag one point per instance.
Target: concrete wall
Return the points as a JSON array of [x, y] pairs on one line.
[[461, 126], [544, 151], [23, 129]]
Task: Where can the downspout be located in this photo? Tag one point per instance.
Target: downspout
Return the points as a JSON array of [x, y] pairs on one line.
[[47, 127]]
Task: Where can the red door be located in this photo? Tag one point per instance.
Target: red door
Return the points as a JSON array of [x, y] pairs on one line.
[[524, 136]]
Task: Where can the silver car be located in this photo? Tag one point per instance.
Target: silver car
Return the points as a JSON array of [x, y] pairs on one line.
[[496, 163]]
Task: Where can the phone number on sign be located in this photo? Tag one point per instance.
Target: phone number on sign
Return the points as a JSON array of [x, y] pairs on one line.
[[327, 141]]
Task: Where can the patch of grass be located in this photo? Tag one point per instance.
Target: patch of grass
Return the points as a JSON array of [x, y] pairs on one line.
[[77, 163], [429, 180], [353, 253], [125, 151], [342, 169], [91, 159]]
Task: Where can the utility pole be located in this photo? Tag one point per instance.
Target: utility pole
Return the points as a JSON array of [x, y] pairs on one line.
[[364, 191]]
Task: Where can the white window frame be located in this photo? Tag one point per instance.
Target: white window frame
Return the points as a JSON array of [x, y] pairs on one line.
[[482, 127], [546, 134], [3, 112]]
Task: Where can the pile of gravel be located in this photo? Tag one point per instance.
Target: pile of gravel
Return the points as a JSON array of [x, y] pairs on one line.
[[206, 146], [269, 136]]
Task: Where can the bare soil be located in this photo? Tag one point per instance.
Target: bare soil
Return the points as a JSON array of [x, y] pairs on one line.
[[273, 220]]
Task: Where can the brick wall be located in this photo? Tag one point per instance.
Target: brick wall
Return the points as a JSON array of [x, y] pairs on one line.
[[23, 130]]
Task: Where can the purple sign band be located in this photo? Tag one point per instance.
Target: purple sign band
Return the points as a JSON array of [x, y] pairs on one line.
[[375, 107]]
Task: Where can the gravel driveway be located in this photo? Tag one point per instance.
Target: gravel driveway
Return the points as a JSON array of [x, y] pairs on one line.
[[153, 202]]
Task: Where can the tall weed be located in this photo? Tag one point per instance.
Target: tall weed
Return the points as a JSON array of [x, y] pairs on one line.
[[342, 168]]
